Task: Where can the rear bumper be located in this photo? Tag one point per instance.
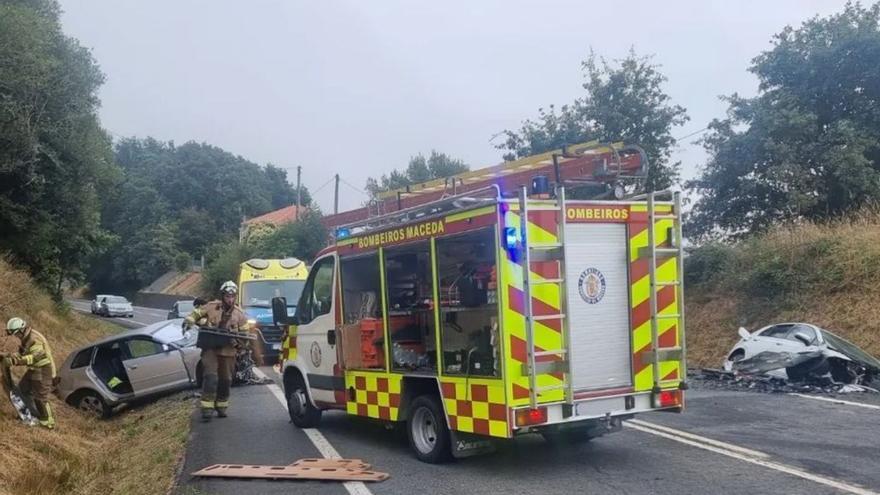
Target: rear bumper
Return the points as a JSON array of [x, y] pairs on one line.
[[601, 408]]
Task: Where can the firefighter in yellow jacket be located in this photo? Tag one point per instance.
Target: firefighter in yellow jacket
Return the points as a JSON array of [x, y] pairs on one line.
[[218, 364], [34, 352]]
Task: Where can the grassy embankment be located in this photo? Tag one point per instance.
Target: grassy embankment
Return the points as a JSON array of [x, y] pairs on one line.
[[827, 274], [136, 452]]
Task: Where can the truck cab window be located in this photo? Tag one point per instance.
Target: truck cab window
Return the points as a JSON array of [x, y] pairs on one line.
[[317, 296], [466, 272]]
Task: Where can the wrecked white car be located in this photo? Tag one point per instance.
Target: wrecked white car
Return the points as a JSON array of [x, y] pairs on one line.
[[801, 352]]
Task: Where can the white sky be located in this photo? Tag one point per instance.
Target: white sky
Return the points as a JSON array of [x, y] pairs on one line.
[[358, 87]]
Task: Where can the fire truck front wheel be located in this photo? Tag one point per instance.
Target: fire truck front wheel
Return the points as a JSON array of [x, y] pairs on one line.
[[302, 413], [427, 431]]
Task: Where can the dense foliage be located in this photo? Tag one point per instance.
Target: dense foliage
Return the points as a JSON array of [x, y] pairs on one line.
[[420, 169], [808, 145], [623, 101]]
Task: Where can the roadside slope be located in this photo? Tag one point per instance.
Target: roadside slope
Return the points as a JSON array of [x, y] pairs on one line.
[[136, 452], [827, 274]]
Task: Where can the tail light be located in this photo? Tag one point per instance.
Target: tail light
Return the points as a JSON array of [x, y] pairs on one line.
[[526, 417], [667, 398]]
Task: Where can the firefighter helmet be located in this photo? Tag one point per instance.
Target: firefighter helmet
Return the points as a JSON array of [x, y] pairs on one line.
[[229, 287], [15, 325]]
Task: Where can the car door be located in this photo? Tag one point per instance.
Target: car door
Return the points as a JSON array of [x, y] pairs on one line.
[[316, 329], [774, 339], [153, 367]]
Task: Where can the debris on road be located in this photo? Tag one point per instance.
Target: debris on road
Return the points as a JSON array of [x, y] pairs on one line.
[[303, 469], [730, 380]]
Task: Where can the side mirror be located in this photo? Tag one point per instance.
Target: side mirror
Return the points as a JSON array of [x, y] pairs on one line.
[[167, 348], [279, 312], [743, 333], [803, 338]]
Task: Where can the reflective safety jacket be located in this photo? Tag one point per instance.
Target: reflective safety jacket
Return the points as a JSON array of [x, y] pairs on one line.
[[34, 352]]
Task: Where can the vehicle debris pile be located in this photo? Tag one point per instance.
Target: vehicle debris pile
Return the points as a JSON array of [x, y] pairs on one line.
[[794, 357]]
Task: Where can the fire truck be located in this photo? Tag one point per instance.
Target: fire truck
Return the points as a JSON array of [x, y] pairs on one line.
[[489, 305]]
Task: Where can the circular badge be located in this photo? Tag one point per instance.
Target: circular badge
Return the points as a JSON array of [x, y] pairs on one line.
[[315, 353], [591, 285]]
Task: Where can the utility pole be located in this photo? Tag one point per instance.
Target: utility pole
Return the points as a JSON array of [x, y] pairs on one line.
[[298, 196], [336, 196]]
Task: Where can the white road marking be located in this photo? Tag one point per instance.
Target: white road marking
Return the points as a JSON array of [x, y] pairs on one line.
[[822, 480], [698, 438], [318, 440], [837, 401]]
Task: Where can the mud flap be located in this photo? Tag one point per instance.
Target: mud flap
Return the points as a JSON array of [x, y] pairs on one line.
[[18, 402], [468, 444]]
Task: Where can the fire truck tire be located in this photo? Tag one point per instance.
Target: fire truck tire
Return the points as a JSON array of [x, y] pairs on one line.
[[302, 413], [426, 428]]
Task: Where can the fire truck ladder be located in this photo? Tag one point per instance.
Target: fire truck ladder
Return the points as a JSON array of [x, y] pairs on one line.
[[544, 252], [653, 253]]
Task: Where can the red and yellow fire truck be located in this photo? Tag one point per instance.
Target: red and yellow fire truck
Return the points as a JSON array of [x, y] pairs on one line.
[[499, 309]]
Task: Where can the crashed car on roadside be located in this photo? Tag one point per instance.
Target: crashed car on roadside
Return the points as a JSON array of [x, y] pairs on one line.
[[802, 352]]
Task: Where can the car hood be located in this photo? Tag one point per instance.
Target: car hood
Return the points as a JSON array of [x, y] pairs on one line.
[[263, 316]]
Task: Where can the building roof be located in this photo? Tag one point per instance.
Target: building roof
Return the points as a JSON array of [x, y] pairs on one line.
[[282, 216]]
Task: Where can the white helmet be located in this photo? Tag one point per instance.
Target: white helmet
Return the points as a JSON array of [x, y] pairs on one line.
[[15, 325], [229, 287]]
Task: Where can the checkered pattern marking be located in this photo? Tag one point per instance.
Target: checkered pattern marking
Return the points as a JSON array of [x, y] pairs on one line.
[[375, 396], [476, 407]]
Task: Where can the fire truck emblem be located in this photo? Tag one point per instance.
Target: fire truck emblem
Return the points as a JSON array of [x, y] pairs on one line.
[[591, 285], [315, 354]]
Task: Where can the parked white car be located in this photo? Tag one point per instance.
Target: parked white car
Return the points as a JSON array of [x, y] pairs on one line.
[[793, 350]]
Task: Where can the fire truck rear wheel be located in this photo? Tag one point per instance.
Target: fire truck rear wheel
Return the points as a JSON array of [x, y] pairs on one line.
[[302, 413], [427, 431]]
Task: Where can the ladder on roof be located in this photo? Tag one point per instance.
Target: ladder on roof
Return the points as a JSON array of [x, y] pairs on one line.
[[654, 253], [544, 252]]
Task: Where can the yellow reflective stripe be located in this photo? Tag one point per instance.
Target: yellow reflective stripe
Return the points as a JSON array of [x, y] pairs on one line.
[[222, 404], [207, 405]]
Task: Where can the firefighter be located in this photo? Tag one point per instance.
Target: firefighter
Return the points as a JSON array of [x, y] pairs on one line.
[[36, 384], [218, 364]]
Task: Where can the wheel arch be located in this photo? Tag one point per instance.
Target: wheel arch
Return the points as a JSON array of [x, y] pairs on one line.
[[291, 373], [416, 386]]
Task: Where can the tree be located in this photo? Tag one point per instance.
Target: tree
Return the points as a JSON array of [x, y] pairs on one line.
[[55, 160], [624, 101], [301, 239], [420, 169], [808, 145]]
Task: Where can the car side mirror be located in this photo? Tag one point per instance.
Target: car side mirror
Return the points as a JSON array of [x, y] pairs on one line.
[[279, 312], [743, 333], [803, 338], [167, 348]]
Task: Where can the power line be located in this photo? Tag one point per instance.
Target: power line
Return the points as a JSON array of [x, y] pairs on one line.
[[704, 129], [353, 187], [323, 185]]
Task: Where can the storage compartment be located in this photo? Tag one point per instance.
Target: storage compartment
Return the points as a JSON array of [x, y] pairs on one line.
[[363, 331]]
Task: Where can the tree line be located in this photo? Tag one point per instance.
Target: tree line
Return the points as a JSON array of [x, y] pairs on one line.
[[76, 206]]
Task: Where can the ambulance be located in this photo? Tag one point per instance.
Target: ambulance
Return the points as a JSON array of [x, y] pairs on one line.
[[499, 310], [260, 280]]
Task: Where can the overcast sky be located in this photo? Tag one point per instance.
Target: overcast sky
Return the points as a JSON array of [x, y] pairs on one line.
[[357, 87]]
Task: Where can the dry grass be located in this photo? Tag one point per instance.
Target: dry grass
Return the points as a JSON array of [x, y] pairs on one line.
[[827, 274], [134, 453]]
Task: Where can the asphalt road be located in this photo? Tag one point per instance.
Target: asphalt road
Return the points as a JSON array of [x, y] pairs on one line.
[[142, 316], [726, 442]]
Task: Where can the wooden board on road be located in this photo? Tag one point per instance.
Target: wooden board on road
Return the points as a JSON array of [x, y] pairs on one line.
[[303, 469]]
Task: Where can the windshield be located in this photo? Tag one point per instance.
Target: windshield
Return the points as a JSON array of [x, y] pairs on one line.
[[184, 307], [172, 333], [261, 292], [849, 349], [116, 300]]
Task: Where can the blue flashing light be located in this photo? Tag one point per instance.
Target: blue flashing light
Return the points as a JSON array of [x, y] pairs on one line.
[[342, 233], [511, 238]]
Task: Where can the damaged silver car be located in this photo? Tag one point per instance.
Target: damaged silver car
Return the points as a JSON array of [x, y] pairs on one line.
[[802, 352]]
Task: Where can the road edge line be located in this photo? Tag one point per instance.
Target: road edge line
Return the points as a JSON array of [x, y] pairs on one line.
[[835, 401], [838, 485], [700, 438], [318, 439]]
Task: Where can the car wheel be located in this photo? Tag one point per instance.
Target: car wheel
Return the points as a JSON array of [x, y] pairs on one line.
[[302, 413], [427, 431], [92, 404]]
